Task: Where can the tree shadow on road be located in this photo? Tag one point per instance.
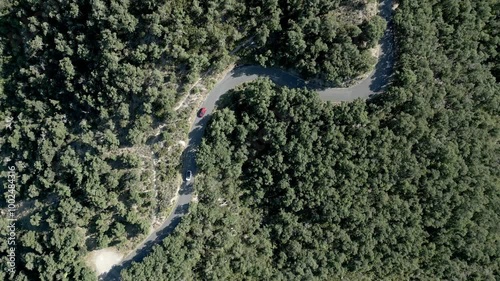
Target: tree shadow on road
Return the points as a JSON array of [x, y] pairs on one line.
[[277, 75], [384, 67]]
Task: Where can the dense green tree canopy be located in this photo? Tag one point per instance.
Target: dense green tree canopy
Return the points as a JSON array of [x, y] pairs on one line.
[[290, 188], [86, 82], [405, 186], [324, 38]]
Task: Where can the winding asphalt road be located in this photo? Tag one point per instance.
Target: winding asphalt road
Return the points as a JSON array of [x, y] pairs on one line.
[[376, 82]]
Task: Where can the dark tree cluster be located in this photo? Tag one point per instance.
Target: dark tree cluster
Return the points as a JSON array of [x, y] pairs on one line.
[[403, 187], [313, 38]]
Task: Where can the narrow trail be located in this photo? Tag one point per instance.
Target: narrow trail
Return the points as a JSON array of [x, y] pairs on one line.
[[376, 82]]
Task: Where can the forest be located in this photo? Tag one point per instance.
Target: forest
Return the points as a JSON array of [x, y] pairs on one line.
[[402, 187], [91, 89]]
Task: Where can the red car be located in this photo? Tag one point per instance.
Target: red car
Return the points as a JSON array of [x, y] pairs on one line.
[[202, 112]]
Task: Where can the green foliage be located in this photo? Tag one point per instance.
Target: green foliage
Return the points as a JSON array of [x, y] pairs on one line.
[[85, 81], [312, 38], [293, 188], [405, 186], [373, 30]]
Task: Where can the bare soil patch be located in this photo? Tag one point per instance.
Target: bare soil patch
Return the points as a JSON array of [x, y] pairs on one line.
[[102, 260]]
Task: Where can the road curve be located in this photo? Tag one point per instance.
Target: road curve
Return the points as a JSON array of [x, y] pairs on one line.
[[376, 82]]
